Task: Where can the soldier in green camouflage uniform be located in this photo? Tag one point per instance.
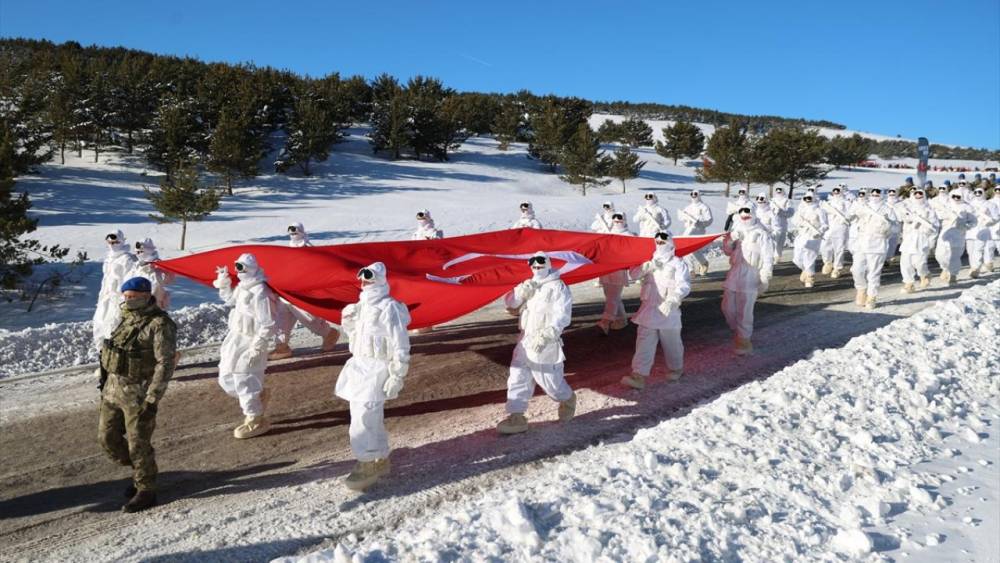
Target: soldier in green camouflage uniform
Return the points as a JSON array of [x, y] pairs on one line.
[[137, 362]]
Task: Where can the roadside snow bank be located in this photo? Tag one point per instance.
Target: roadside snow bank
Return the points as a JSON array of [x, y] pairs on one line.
[[60, 345], [825, 457]]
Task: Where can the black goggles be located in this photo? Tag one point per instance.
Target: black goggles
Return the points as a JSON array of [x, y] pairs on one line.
[[366, 274], [138, 246], [956, 197], [606, 206], [648, 196], [779, 190], [695, 194], [979, 192], [617, 217], [421, 215], [112, 237], [761, 199], [293, 229], [836, 190], [662, 237], [525, 206], [540, 260], [876, 192], [746, 210], [807, 199], [918, 194], [240, 267]]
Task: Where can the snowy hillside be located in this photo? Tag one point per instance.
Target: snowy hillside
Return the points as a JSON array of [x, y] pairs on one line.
[[887, 447]]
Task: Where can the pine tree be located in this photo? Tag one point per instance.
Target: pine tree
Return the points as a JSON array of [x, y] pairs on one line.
[[98, 107], [848, 151], [681, 140], [636, 133], [610, 132], [625, 165], [548, 136], [358, 96], [583, 160], [23, 110], [728, 153], [18, 255], [509, 123], [390, 117], [799, 152], [312, 131], [428, 131], [60, 115], [133, 99], [236, 147], [182, 199], [176, 136]]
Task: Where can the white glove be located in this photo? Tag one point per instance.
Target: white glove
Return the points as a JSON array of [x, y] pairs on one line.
[[736, 235], [398, 368], [222, 279], [542, 338], [524, 290], [392, 386], [647, 267], [668, 305]]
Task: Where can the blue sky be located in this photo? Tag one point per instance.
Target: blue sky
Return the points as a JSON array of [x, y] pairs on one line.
[[910, 67]]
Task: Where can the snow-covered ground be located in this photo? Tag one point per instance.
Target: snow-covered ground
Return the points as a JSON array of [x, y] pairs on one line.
[[352, 197], [885, 449]]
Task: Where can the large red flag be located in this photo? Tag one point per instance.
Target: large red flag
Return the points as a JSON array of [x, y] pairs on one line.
[[439, 280]]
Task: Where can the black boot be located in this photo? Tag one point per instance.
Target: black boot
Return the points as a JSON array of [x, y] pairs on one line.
[[141, 501], [130, 491]]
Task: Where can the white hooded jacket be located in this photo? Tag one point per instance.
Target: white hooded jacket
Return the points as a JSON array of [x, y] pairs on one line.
[[920, 227], [299, 238], [696, 216], [379, 343], [147, 256], [117, 265], [810, 221], [986, 217], [251, 319], [651, 218], [546, 310], [876, 223], [666, 281], [426, 229], [527, 219], [751, 257]]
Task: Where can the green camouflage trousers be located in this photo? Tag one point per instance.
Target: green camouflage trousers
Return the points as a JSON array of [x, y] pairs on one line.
[[125, 431]]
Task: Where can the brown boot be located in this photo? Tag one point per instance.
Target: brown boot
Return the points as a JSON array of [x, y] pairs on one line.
[[908, 288], [619, 324], [515, 423], [252, 426], [280, 352], [330, 340], [635, 381], [366, 473], [674, 375], [859, 299], [870, 303], [809, 281], [567, 409], [925, 282], [827, 268], [141, 501], [743, 346]]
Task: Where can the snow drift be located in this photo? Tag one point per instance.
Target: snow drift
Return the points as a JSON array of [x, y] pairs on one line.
[[816, 462]]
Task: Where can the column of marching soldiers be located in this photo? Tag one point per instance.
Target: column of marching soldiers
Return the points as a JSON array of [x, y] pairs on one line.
[[137, 339]]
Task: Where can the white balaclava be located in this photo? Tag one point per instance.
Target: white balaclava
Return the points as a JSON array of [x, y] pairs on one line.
[[145, 251], [298, 236], [607, 208], [374, 282], [862, 195], [761, 199], [744, 219], [120, 245], [541, 266], [891, 197], [651, 199], [664, 246], [424, 219], [527, 210], [247, 268], [695, 195], [779, 194], [874, 199], [918, 202], [979, 195], [838, 192], [618, 224]]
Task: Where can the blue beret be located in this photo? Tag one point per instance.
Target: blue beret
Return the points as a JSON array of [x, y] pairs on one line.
[[137, 284]]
